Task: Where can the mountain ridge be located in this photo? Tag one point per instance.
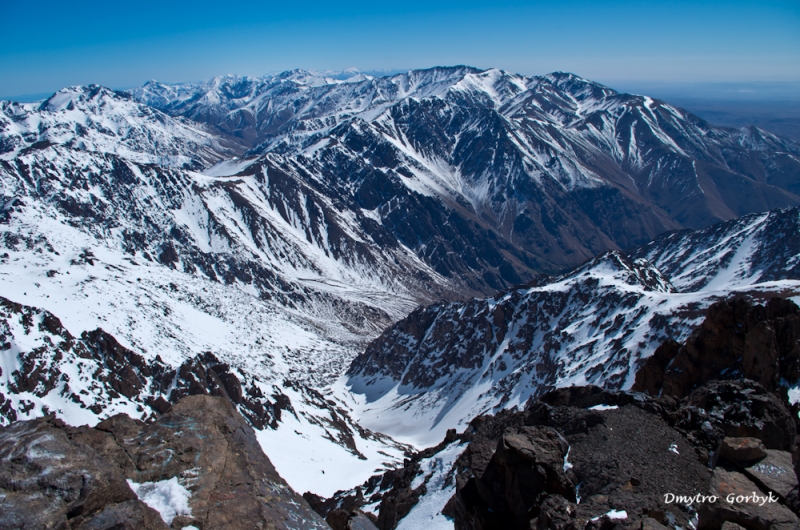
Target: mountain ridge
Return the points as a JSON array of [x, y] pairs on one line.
[[594, 325], [558, 127]]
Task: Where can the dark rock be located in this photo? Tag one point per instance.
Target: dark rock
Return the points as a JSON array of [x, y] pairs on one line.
[[629, 462], [360, 521], [48, 480], [736, 408], [736, 340], [745, 509], [527, 465], [398, 501], [727, 525], [337, 519], [742, 450], [775, 473], [622, 459], [346, 520], [202, 442], [651, 524], [556, 513], [130, 515]]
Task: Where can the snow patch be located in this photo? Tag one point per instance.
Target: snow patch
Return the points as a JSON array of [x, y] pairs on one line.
[[604, 407], [427, 513], [227, 168], [167, 497], [567, 464], [613, 514], [794, 394]]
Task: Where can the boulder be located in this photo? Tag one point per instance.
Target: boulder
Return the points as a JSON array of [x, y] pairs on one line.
[[527, 466], [742, 450], [48, 480], [775, 472], [740, 501]]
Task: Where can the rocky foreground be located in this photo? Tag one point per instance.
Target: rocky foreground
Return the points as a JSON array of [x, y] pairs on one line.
[[199, 464], [707, 440]]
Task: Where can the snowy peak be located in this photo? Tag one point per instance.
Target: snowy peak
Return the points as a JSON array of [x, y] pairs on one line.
[[616, 266], [88, 98], [98, 119], [755, 248], [579, 88]]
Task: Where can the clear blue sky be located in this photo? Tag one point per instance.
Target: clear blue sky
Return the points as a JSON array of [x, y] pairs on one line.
[[45, 45]]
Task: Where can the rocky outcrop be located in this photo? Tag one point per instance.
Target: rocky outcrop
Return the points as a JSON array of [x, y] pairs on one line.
[[600, 459], [568, 465], [738, 339], [526, 468], [589, 458], [49, 481], [95, 372], [737, 409], [199, 465]]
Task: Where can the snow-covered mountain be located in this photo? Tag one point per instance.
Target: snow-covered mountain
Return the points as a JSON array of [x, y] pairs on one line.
[[560, 167], [166, 323], [277, 225], [273, 277], [752, 249], [100, 120], [446, 363]]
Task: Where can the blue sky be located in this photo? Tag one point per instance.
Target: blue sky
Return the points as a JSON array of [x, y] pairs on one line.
[[47, 45]]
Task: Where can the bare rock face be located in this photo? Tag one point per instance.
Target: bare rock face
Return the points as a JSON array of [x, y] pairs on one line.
[[48, 480], [736, 340], [202, 448], [526, 468], [623, 454], [567, 466]]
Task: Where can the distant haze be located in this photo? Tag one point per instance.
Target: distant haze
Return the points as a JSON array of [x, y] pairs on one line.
[[47, 45]]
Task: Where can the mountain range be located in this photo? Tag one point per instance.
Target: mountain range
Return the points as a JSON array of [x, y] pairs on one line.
[[350, 257]]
